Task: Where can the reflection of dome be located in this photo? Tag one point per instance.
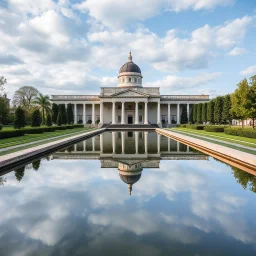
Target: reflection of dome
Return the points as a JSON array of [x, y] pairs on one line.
[[130, 174]]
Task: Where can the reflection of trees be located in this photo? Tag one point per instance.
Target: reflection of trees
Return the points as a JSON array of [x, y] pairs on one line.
[[19, 173], [2, 180], [246, 179], [36, 164]]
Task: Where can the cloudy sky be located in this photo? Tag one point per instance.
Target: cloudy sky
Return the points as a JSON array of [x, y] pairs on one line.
[[77, 46]]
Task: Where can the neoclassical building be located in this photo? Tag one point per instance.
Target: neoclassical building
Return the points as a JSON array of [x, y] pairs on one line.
[[129, 103]]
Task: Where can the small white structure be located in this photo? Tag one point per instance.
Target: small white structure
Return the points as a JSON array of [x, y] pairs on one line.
[[129, 102]]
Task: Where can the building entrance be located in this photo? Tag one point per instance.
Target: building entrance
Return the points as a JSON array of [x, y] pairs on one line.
[[130, 120]]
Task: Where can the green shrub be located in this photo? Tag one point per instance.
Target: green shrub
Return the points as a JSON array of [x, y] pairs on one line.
[[19, 120], [69, 126], [10, 134], [214, 129], [36, 118], [33, 130], [49, 120], [241, 132], [1, 127], [60, 127], [195, 127], [89, 121], [182, 125], [78, 126]]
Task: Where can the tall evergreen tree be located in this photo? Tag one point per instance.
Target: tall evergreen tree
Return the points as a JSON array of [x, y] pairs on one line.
[[204, 112], [199, 113], [36, 118], [226, 114], [194, 113], [184, 115], [59, 119], [191, 114], [63, 113], [55, 112], [218, 108], [19, 119], [70, 114], [49, 120], [210, 111]]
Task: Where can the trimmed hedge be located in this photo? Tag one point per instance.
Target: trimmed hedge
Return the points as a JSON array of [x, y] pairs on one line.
[[182, 125], [241, 132], [10, 134], [213, 129], [195, 127]]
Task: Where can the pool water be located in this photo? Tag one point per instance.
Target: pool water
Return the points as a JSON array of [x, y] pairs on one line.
[[127, 193]]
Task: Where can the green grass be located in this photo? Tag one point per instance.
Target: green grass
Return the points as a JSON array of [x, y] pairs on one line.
[[249, 142], [35, 137]]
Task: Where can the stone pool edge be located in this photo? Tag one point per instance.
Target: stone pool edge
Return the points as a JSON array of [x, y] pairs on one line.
[[234, 157], [22, 155]]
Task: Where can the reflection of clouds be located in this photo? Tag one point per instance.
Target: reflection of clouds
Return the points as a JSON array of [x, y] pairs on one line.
[[45, 203]]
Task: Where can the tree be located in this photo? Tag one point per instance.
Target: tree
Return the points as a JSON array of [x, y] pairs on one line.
[[184, 115], [36, 164], [204, 112], [36, 118], [226, 114], [55, 112], [49, 120], [59, 119], [191, 114], [25, 96], [44, 104], [210, 111], [238, 101], [19, 173], [3, 81], [4, 110], [70, 115], [194, 113], [19, 120], [199, 113], [218, 108], [63, 112]]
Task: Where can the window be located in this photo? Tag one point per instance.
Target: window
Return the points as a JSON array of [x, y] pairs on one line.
[[140, 106], [97, 118], [130, 134], [89, 118], [119, 119], [135, 80], [130, 79], [118, 106], [141, 135], [119, 135], [140, 118], [80, 118], [130, 106]]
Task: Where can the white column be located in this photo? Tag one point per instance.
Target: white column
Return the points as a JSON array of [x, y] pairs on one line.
[[123, 121], [187, 148], [178, 113], [146, 113], [188, 111], [114, 142], [113, 113], [84, 142], [169, 113], [123, 142], [93, 143], [93, 113], [84, 113], [178, 146], [158, 143], [101, 113], [75, 113], [136, 142], [101, 143], [75, 147], [136, 113], [158, 113], [146, 142]]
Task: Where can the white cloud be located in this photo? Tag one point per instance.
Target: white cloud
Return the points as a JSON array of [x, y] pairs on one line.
[[237, 51], [249, 71]]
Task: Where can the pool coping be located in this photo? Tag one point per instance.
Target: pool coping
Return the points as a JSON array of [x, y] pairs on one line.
[[22, 155]]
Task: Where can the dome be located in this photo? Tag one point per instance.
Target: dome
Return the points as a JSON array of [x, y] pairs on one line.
[[130, 67]]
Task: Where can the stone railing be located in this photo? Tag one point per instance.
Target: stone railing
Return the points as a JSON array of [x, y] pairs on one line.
[[75, 97], [112, 90], [185, 97]]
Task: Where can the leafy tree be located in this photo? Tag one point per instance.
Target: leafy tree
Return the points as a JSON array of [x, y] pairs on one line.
[[191, 114], [36, 118], [55, 112], [184, 115], [218, 108], [238, 101], [194, 113], [204, 112], [49, 120], [19, 173], [4, 110], [25, 96], [210, 111], [19, 120], [63, 113], [226, 114], [59, 119], [199, 113], [36, 165], [44, 104], [70, 115], [3, 81]]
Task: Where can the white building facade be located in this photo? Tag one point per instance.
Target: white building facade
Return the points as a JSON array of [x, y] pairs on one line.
[[129, 103]]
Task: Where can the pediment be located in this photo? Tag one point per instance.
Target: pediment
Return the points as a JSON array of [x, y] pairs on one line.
[[130, 93]]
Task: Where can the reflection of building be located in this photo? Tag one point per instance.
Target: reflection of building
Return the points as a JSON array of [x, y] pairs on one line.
[[129, 102], [129, 152]]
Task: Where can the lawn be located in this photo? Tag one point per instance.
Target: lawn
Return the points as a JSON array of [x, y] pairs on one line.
[[249, 142], [36, 137]]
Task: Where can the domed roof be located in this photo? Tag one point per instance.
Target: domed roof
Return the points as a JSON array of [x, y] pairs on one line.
[[130, 66], [130, 179]]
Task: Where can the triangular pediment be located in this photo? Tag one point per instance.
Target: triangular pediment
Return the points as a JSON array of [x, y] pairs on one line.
[[130, 93]]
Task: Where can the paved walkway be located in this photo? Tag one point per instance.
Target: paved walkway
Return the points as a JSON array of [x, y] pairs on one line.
[[38, 141], [214, 140]]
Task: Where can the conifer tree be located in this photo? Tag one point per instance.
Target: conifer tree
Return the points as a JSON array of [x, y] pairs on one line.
[[210, 111], [49, 120], [70, 114], [218, 108], [204, 112], [199, 113], [19, 119], [191, 114], [194, 113], [226, 114], [36, 118], [55, 112], [184, 115], [59, 119], [63, 113]]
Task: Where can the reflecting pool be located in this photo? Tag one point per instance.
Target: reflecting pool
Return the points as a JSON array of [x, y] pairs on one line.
[[127, 193]]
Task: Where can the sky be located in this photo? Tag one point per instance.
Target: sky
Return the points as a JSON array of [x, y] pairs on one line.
[[76, 47]]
